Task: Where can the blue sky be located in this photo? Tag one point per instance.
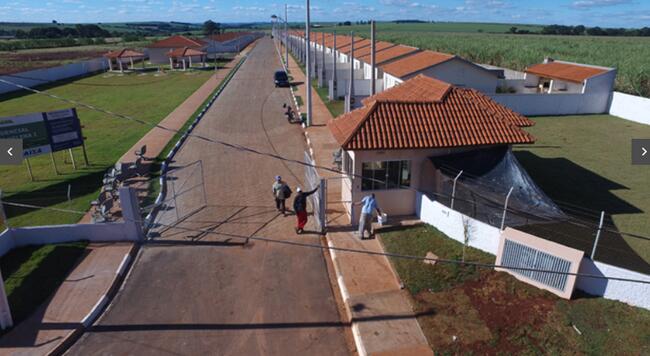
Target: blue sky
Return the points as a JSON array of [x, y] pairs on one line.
[[605, 13]]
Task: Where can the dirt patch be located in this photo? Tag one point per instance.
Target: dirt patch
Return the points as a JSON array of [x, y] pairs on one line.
[[16, 62]]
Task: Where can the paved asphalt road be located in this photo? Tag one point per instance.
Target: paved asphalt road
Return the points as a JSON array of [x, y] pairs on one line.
[[190, 293]]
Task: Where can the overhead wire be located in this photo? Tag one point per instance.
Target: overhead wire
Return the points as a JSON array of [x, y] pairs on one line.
[[359, 251]]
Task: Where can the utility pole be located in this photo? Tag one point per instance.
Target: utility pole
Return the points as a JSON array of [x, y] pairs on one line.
[[334, 56], [286, 37], [373, 76], [322, 72], [308, 79], [351, 83]]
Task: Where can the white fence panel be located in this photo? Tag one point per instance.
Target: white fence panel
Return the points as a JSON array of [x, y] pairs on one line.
[[630, 107], [36, 77]]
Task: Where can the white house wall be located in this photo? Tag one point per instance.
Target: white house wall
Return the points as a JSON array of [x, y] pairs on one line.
[[393, 201], [460, 73], [159, 55], [603, 83]]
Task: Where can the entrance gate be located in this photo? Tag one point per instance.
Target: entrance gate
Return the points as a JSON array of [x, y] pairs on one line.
[[319, 199]]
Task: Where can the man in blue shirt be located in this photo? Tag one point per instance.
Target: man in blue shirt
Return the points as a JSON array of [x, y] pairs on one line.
[[368, 205]]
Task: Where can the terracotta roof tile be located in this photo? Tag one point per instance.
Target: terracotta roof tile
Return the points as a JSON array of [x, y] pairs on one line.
[[124, 53], [415, 63], [460, 118], [178, 41], [389, 54], [227, 36], [185, 52], [419, 89], [565, 71], [358, 44], [380, 45]]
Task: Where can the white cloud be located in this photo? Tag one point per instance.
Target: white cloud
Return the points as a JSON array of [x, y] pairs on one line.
[[590, 4]]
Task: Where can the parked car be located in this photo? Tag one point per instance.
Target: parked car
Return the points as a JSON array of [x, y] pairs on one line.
[[281, 79]]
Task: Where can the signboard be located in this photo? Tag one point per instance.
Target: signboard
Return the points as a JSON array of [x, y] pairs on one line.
[[44, 132]]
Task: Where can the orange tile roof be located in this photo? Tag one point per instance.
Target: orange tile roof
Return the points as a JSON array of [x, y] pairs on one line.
[[178, 41], [380, 46], [421, 89], [359, 44], [565, 71], [185, 52], [415, 63], [227, 36], [124, 53], [455, 117], [389, 54]]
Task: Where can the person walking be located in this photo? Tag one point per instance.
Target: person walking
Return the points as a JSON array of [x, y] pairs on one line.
[[300, 207], [281, 192], [369, 205]]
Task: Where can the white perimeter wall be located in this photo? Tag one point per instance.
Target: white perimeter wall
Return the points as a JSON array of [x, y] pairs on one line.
[[36, 77], [554, 104], [636, 294], [630, 107], [450, 222], [486, 238]]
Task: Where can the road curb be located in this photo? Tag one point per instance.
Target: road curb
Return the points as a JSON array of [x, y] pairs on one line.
[[101, 305]]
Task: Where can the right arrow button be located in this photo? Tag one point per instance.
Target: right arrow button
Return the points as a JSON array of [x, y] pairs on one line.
[[640, 149]]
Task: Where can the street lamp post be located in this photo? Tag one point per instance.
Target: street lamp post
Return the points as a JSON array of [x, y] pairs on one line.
[[308, 66]]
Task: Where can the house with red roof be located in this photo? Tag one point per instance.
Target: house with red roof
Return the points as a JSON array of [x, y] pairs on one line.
[[552, 77], [388, 143], [446, 67], [159, 51]]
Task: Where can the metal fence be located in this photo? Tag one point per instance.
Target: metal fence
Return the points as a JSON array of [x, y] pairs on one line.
[[318, 199]]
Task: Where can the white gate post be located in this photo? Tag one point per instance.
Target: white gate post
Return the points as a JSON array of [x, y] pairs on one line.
[[323, 205], [131, 213], [505, 208], [600, 227]]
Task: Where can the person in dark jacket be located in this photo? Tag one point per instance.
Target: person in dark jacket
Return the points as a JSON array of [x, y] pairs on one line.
[[300, 207]]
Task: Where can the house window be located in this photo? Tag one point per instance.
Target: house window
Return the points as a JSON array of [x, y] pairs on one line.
[[347, 160], [379, 175]]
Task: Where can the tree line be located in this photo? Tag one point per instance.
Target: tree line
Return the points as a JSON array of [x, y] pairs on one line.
[[581, 30]]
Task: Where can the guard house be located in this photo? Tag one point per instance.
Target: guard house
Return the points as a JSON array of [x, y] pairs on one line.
[[389, 141], [553, 77]]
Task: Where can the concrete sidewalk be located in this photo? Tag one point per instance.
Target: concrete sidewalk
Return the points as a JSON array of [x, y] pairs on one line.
[[383, 322], [79, 298]]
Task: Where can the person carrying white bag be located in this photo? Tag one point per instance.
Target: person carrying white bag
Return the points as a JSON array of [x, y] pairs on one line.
[[369, 204]]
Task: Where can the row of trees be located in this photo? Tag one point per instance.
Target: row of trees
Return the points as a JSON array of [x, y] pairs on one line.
[[78, 31], [581, 30]]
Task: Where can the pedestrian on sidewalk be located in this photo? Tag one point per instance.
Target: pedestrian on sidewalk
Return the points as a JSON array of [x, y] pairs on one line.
[[281, 192], [300, 207], [369, 205]]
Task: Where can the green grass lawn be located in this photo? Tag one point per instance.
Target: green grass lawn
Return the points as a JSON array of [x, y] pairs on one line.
[[586, 161], [32, 273], [491, 312], [146, 97]]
